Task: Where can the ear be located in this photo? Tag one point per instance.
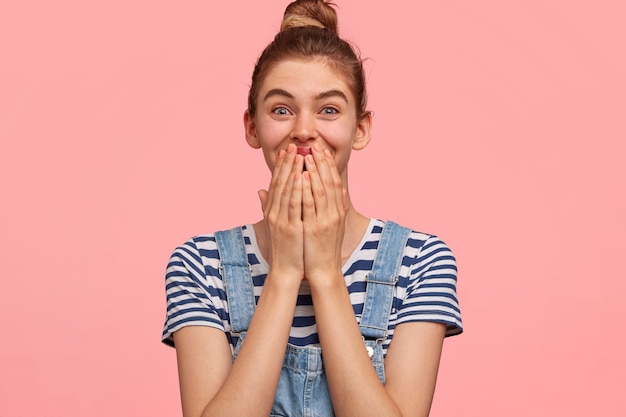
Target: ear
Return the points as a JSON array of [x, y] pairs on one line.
[[250, 127], [363, 132]]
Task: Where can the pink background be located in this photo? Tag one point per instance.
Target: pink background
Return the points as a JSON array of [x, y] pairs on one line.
[[121, 136]]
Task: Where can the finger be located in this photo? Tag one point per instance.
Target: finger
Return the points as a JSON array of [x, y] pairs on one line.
[[336, 183], [275, 174], [295, 203], [286, 165], [281, 179], [263, 198], [318, 193], [287, 191], [308, 203], [321, 162], [328, 184]]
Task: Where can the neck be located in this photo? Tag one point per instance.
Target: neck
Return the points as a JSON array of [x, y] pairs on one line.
[[356, 226]]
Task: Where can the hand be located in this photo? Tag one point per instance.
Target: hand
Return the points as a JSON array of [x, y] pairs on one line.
[[324, 209], [282, 211]]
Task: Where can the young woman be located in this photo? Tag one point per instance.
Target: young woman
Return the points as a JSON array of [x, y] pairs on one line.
[[315, 310]]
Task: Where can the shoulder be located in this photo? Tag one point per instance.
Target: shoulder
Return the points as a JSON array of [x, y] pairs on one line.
[[194, 252], [424, 257], [419, 244], [427, 247], [202, 251], [195, 245], [205, 245], [427, 283]]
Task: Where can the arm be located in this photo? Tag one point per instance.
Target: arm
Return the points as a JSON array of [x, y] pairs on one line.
[[429, 312], [354, 386], [411, 363], [353, 383], [210, 385], [413, 357]]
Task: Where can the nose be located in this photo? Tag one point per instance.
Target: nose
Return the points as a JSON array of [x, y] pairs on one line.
[[304, 128]]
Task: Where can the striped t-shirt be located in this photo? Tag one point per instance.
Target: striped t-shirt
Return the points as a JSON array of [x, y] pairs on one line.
[[425, 291]]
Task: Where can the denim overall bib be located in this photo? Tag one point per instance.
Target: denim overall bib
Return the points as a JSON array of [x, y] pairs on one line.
[[303, 388]]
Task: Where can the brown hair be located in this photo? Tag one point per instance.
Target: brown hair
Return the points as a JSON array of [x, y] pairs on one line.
[[309, 31]]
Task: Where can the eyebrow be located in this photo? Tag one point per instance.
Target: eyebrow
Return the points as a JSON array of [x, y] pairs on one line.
[[320, 96], [332, 93], [277, 92]]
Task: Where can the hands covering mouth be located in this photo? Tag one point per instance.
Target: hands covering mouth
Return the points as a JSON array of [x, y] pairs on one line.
[[304, 212]]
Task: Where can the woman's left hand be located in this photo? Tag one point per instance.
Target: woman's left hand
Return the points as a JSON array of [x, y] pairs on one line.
[[324, 209]]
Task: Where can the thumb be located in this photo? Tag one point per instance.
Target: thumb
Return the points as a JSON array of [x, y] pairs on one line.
[[263, 198]]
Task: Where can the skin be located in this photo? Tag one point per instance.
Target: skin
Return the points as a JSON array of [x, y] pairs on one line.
[[309, 228]]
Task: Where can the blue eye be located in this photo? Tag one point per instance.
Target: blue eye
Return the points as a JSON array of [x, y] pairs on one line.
[[329, 110], [282, 111]]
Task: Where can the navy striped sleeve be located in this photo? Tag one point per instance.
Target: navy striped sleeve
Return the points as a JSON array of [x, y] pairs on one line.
[[431, 291], [187, 293]]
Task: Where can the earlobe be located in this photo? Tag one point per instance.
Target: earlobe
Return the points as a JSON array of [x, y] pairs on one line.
[[250, 129], [363, 132]]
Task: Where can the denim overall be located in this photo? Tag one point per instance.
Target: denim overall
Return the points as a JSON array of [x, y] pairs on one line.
[[303, 388]]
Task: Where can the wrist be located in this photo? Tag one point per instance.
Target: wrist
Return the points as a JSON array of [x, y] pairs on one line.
[[284, 279], [325, 281]]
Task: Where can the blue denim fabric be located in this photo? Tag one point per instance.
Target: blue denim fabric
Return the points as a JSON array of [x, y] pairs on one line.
[[303, 389]]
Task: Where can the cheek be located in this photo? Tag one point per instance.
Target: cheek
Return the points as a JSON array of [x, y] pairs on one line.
[[338, 131], [340, 137], [270, 135]]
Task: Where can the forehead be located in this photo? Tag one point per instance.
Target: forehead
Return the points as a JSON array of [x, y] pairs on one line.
[[305, 77]]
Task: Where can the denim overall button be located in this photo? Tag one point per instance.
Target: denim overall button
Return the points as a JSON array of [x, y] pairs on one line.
[[370, 351]]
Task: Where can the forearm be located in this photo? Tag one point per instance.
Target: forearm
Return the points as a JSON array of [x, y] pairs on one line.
[[251, 384], [354, 385]]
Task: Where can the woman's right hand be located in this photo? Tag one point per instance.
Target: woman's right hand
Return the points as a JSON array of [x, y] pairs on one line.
[[282, 213], [211, 383]]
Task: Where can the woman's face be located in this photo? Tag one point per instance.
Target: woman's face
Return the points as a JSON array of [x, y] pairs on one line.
[[306, 102]]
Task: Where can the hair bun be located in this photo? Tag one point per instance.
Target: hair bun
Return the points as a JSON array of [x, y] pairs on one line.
[[317, 13]]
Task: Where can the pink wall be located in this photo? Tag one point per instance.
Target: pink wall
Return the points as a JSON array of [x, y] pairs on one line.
[[121, 136]]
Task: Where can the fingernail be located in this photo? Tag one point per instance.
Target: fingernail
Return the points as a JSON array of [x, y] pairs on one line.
[[291, 147], [281, 154], [317, 147]]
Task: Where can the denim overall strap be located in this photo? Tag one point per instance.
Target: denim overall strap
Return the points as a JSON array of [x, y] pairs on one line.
[[237, 279], [381, 281]]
